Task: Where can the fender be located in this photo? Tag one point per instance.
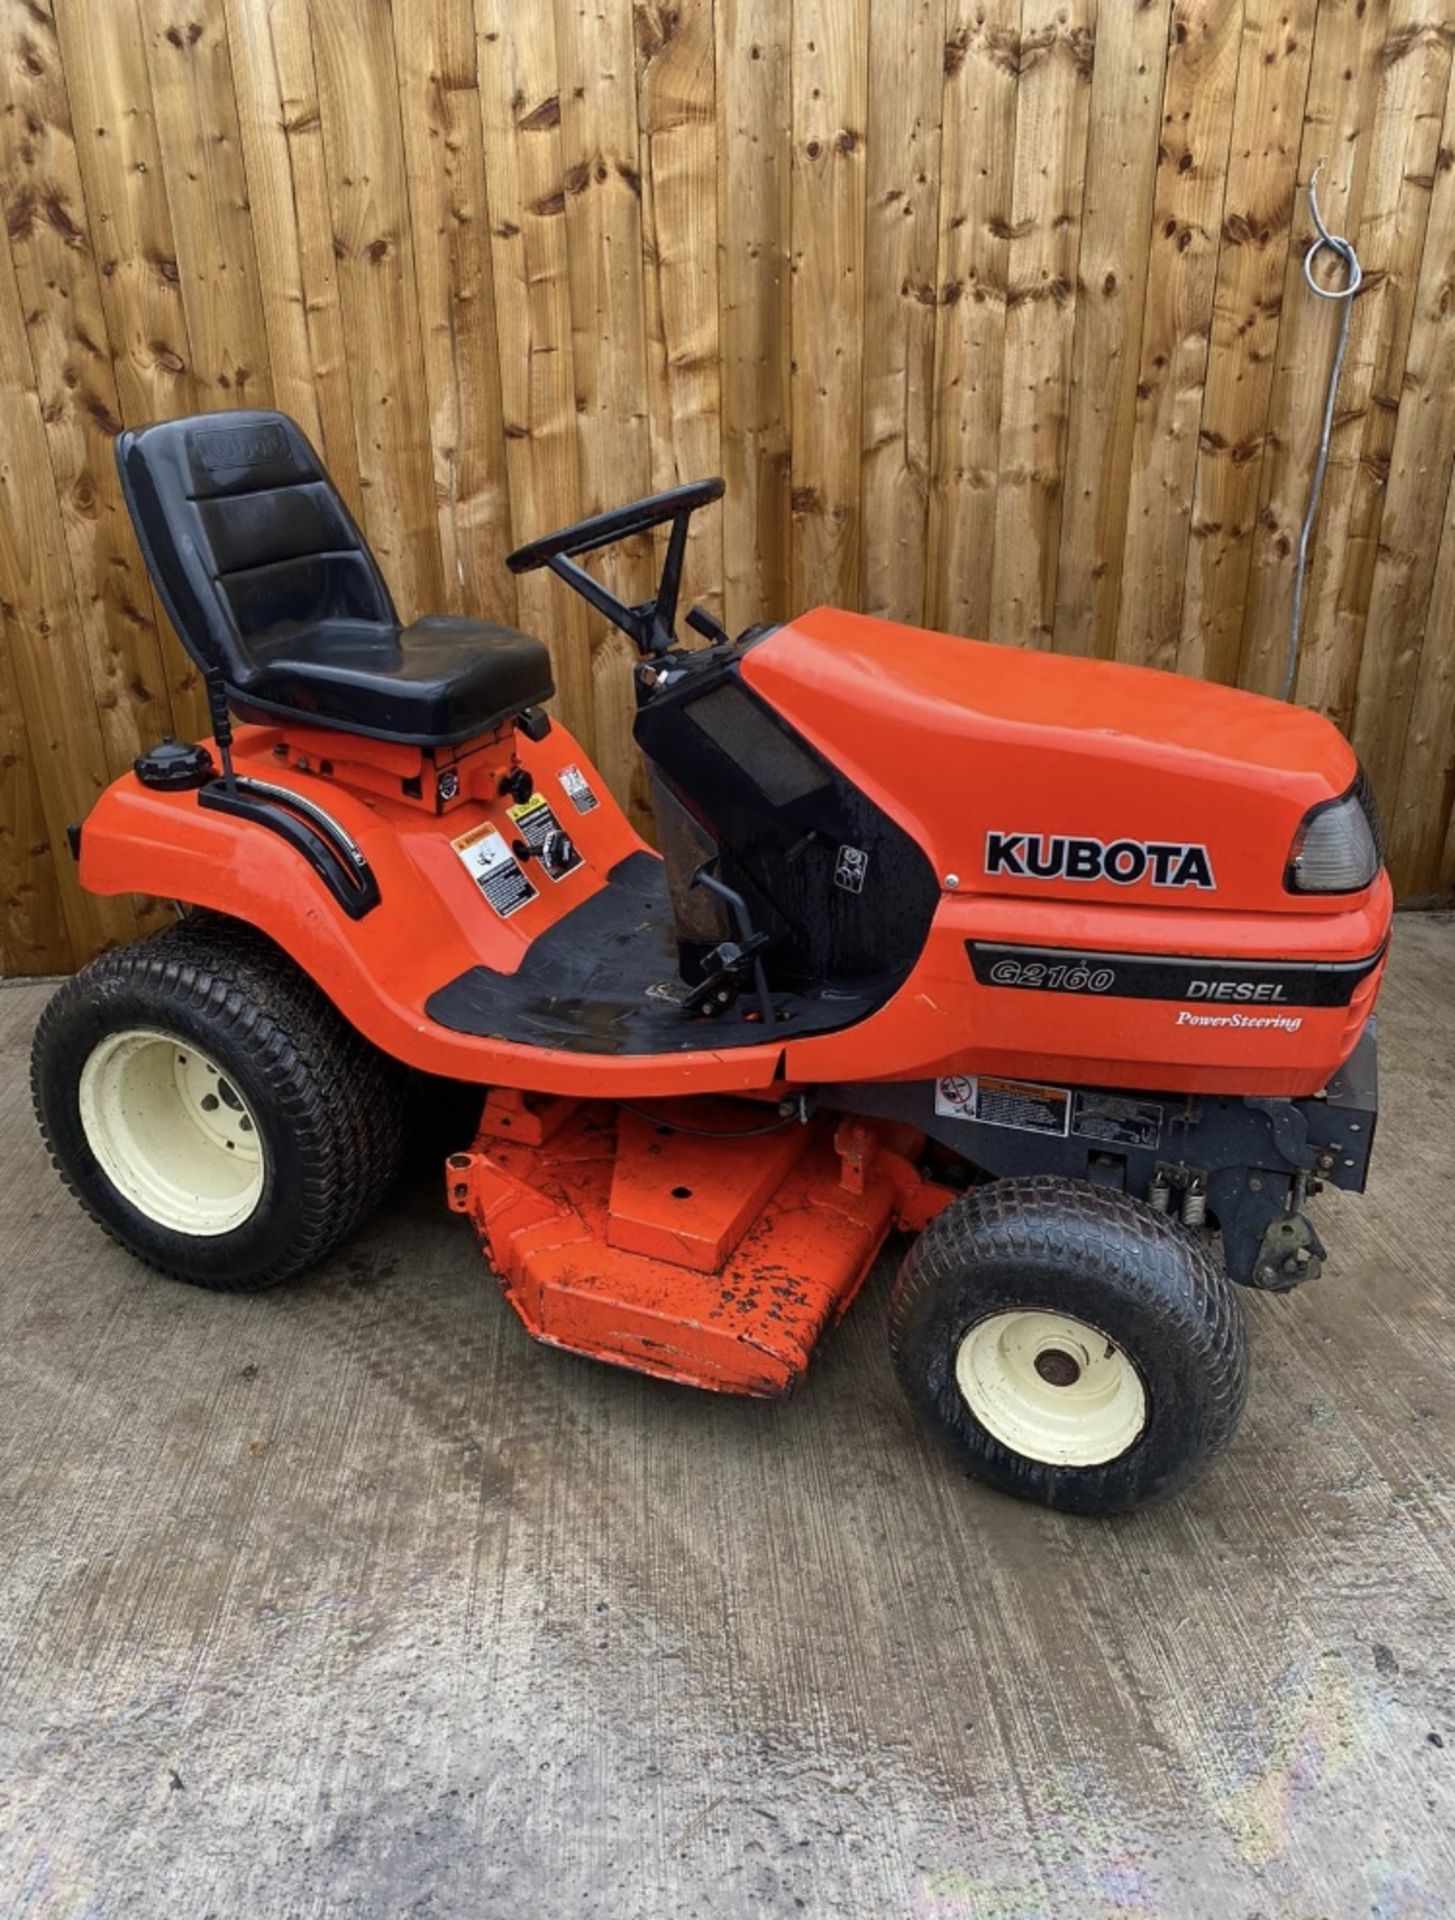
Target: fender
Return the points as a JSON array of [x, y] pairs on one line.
[[430, 923]]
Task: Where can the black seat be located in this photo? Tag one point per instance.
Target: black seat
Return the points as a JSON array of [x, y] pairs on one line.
[[267, 579]]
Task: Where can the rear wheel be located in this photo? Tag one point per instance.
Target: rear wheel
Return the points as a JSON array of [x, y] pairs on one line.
[[1074, 1347], [211, 1110]]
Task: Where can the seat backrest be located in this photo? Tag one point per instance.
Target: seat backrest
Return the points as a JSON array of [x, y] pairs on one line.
[[245, 535]]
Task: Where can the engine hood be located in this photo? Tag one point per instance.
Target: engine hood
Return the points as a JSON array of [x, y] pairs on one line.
[[1048, 775]]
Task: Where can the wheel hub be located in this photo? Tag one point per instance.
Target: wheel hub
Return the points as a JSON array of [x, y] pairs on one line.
[[1061, 1369], [1051, 1387], [171, 1132]]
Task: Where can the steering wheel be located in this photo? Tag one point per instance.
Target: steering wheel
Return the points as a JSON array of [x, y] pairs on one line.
[[652, 624]]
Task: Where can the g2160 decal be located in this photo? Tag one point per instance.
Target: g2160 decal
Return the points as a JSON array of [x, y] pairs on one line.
[[1056, 856], [1132, 976]]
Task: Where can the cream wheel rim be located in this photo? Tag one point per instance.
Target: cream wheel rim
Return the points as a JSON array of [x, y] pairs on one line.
[[1051, 1388], [171, 1132]]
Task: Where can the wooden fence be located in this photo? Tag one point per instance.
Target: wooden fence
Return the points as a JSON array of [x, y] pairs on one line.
[[990, 311]]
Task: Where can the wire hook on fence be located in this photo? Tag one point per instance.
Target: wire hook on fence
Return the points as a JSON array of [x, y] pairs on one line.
[[1343, 250]]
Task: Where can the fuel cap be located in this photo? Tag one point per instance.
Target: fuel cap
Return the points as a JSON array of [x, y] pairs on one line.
[[174, 765]]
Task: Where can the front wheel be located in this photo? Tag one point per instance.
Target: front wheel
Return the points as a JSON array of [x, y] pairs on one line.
[[210, 1109], [1073, 1346]]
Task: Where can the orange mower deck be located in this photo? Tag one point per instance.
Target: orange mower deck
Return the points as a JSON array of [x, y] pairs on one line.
[[715, 1261]]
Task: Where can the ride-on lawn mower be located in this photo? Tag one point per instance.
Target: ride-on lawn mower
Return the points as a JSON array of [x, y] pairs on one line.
[[1063, 966]]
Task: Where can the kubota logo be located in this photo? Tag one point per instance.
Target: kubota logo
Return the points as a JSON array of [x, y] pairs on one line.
[[1055, 856]]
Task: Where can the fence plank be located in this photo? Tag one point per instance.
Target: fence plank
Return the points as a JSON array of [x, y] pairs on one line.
[[282, 139], [1054, 96], [33, 933], [977, 150], [194, 101], [353, 54], [521, 108], [439, 102], [1422, 801], [38, 622], [830, 76], [1419, 476], [600, 150], [1403, 149], [1121, 176], [1343, 87], [60, 292], [1272, 87], [677, 120], [126, 203], [901, 245], [1197, 113], [754, 213]]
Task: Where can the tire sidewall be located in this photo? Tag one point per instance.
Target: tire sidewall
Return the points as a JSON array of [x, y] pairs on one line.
[[76, 1026], [1163, 1337]]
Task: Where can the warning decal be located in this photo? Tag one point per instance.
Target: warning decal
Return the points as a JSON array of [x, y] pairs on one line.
[[543, 834], [1004, 1103], [494, 869], [850, 869], [578, 789], [1117, 1120]]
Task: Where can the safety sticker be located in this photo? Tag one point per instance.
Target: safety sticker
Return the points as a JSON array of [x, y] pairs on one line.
[[494, 869], [1117, 1121], [543, 833], [578, 789], [1021, 1104], [850, 869]]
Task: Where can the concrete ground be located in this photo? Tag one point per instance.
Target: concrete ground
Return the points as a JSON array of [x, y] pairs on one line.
[[347, 1600]]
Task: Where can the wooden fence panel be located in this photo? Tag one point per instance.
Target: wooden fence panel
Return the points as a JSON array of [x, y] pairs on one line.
[[1042, 270], [991, 312], [39, 626], [677, 118], [1192, 157], [977, 155], [1343, 90], [282, 136], [526, 181], [901, 252], [830, 111], [439, 101], [754, 222], [60, 292], [1272, 85], [600, 143], [1121, 177], [1418, 483]]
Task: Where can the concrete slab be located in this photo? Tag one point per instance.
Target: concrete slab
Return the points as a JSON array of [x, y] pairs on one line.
[[348, 1601]]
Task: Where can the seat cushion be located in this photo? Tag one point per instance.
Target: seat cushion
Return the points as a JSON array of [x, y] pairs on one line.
[[272, 587], [435, 683]]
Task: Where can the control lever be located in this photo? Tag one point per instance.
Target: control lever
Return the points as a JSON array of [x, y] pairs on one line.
[[711, 628], [735, 961], [726, 971]]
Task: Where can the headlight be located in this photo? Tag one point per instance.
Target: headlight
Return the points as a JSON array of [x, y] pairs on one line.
[[1337, 848]]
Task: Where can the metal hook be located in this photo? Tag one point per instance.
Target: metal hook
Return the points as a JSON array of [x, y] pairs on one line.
[[1342, 249], [1334, 243]]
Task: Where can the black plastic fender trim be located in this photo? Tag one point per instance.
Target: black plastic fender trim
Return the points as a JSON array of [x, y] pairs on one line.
[[333, 854]]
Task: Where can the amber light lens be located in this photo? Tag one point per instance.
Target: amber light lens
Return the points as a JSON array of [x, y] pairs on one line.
[[1337, 847]]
